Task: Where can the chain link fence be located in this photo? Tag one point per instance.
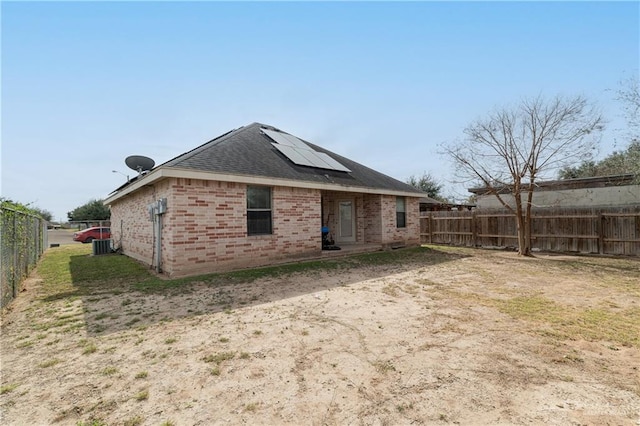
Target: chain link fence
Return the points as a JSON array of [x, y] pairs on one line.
[[23, 239]]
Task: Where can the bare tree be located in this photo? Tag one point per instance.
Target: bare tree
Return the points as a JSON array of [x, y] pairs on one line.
[[629, 95], [513, 147]]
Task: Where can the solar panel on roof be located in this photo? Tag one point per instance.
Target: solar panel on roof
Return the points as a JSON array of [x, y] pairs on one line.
[[284, 139], [313, 158], [292, 154], [302, 154], [332, 163]]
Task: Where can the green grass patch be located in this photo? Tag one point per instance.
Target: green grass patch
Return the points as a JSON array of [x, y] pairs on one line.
[[134, 421], [71, 271], [142, 375], [533, 308], [92, 422], [49, 363], [569, 322], [252, 407], [425, 255], [384, 366], [219, 357], [109, 371], [143, 395], [8, 388], [89, 349]]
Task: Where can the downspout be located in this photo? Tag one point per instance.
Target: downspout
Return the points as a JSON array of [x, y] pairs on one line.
[[158, 240], [160, 209]]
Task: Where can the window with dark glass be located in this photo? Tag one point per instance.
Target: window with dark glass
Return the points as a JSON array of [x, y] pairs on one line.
[[401, 212], [258, 210]]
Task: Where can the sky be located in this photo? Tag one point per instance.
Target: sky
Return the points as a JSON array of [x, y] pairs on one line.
[[86, 84]]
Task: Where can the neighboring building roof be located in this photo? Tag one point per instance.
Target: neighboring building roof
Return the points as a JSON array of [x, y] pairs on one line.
[[429, 200], [556, 185], [431, 204], [248, 152]]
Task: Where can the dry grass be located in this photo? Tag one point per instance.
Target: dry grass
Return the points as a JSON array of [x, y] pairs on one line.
[[484, 337]]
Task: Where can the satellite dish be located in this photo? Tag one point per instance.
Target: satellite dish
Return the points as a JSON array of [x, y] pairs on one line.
[[139, 163]]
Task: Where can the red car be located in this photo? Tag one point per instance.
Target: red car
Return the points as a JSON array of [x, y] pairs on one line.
[[90, 234]]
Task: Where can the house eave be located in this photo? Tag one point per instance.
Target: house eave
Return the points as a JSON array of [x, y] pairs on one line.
[[175, 172]]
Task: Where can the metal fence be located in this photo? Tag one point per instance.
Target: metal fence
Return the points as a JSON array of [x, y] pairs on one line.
[[23, 239], [614, 230]]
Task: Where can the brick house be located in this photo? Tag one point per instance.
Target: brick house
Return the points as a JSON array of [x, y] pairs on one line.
[[257, 196]]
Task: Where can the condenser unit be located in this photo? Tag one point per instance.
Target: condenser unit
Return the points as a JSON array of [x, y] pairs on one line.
[[101, 247]]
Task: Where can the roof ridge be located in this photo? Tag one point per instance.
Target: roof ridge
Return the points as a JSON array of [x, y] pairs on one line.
[[244, 151], [215, 141]]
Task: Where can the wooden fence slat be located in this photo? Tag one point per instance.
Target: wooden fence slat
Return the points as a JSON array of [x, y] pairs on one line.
[[593, 237], [451, 233], [600, 225], [621, 214], [533, 216], [453, 218], [614, 230]]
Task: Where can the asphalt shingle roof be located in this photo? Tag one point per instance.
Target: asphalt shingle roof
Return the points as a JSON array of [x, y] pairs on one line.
[[247, 151]]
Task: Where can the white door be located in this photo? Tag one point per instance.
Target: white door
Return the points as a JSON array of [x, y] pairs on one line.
[[346, 222]]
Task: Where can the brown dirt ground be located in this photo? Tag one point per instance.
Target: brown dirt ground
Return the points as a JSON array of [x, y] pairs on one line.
[[376, 345]]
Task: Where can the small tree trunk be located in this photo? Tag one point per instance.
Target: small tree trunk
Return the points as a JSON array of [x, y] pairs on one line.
[[528, 221], [522, 246]]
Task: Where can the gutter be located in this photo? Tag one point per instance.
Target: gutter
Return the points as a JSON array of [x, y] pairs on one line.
[[173, 172]]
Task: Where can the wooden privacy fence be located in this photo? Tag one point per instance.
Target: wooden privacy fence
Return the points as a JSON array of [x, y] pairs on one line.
[[583, 230]]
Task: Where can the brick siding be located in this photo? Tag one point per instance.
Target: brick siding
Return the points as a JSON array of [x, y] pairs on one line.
[[205, 226], [391, 234]]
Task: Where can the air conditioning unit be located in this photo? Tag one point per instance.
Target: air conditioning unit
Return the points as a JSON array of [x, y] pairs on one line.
[[101, 247]]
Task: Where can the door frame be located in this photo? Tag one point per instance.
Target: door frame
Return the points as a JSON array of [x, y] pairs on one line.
[[339, 237]]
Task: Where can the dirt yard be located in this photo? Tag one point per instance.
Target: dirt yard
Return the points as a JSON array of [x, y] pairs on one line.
[[447, 336]]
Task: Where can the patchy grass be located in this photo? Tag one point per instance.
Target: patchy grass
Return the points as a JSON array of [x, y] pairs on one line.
[[109, 371], [134, 421], [384, 367], [219, 357], [92, 422], [8, 388], [142, 375], [569, 322], [251, 407], [143, 395], [49, 363], [89, 349], [496, 296], [72, 271]]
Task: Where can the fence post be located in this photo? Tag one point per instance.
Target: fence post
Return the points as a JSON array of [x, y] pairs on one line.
[[15, 257], [474, 229], [601, 228], [430, 222]]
